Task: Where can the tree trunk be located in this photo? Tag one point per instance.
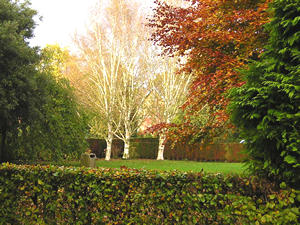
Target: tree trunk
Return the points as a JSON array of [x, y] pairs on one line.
[[126, 145], [126, 149], [109, 141], [108, 149], [161, 147]]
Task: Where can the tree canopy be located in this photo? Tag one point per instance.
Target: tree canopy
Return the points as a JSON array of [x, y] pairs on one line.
[[266, 108], [217, 37], [19, 99], [38, 113]]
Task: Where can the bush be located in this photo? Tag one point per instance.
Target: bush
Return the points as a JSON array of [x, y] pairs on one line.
[[60, 133], [66, 195]]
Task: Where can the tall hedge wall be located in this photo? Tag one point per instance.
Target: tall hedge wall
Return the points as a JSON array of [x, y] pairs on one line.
[[231, 152], [65, 195], [146, 148], [143, 148], [98, 147]]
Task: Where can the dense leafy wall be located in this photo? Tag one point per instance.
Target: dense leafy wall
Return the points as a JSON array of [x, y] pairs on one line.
[[98, 146], [65, 195], [231, 152], [139, 147], [146, 148], [60, 133]]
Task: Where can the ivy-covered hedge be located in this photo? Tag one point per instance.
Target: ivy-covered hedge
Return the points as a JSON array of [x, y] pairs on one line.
[[66, 195]]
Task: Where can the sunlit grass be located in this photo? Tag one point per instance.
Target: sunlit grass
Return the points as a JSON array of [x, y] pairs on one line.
[[167, 165]]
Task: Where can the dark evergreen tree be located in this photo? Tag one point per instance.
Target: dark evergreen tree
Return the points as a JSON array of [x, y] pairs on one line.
[[266, 110], [39, 118], [18, 89]]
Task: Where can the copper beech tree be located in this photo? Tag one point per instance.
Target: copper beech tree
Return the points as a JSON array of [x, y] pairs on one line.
[[218, 37]]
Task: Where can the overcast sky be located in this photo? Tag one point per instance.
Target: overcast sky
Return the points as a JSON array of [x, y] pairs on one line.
[[61, 18]]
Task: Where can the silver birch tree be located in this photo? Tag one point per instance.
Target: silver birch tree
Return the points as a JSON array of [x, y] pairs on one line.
[[125, 23], [132, 95], [170, 90], [114, 53], [101, 59]]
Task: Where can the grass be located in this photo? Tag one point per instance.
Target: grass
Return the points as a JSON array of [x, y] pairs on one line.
[[167, 165]]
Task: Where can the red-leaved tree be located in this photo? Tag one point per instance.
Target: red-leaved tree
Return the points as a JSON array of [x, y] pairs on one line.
[[218, 37]]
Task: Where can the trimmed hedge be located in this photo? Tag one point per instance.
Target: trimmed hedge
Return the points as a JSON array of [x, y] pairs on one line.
[[143, 148], [146, 148], [98, 147], [66, 195], [230, 152]]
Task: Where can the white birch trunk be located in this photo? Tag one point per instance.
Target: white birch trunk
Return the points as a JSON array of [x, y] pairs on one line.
[[161, 147], [126, 144], [109, 143]]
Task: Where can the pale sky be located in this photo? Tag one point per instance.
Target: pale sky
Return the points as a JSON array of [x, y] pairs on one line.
[[61, 19]]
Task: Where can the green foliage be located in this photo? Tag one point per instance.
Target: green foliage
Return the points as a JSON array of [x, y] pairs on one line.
[[62, 130], [231, 152], [65, 195], [19, 95], [54, 60], [47, 123], [146, 148], [61, 133], [39, 118], [266, 108], [143, 148]]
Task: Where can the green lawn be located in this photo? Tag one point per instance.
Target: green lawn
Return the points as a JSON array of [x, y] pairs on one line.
[[167, 165]]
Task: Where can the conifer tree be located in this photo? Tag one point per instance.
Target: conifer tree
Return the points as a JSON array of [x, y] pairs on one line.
[[266, 110], [18, 88]]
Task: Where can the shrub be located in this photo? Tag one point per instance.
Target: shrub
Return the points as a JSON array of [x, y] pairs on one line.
[[66, 195]]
